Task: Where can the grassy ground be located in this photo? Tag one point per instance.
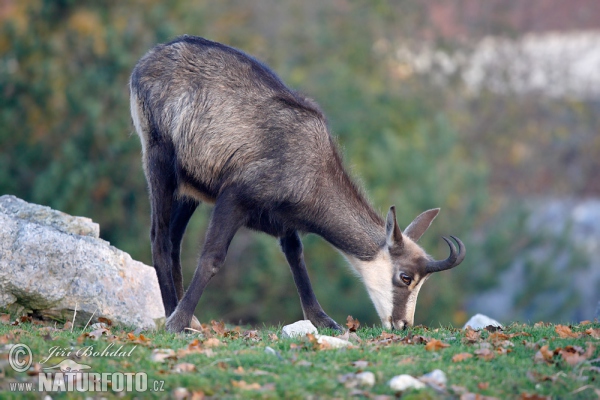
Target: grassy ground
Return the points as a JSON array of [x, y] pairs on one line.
[[521, 361]]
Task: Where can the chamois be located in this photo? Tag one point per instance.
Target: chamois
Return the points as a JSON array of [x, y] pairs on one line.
[[217, 125]]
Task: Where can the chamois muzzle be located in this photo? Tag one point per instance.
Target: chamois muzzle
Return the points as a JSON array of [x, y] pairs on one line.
[[453, 259]]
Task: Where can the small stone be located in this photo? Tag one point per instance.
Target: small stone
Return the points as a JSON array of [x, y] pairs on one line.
[[269, 350], [299, 328], [436, 379], [365, 378], [480, 321], [334, 342], [401, 383]]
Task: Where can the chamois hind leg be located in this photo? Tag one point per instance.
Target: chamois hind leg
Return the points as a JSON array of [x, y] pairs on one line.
[[227, 217], [292, 248], [162, 182]]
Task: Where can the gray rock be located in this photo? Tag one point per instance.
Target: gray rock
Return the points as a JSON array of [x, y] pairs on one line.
[[299, 328], [480, 321], [436, 379], [52, 263]]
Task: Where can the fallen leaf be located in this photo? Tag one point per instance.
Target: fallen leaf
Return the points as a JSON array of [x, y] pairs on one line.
[[483, 385], [252, 336], [105, 320], [239, 370], [595, 333], [543, 355], [574, 355], [184, 367], [273, 337], [218, 327], [97, 334], [540, 324], [471, 336], [534, 396], [5, 319], [246, 386], [435, 345], [461, 357], [538, 377], [565, 332], [67, 326], [406, 360], [484, 354], [352, 324], [213, 342], [162, 355], [586, 322]]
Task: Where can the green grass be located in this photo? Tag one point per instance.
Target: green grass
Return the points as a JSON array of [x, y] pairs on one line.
[[300, 369]]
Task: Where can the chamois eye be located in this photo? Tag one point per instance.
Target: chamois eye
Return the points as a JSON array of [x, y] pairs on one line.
[[406, 279]]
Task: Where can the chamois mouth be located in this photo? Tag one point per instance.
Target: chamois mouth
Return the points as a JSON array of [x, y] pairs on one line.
[[400, 325]]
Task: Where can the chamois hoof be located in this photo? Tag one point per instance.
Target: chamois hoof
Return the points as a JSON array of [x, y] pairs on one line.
[[324, 321], [177, 323]]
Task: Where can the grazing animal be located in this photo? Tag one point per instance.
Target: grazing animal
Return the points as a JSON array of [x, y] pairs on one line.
[[217, 125]]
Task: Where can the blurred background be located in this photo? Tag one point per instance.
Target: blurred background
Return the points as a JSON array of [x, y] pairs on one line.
[[489, 110]]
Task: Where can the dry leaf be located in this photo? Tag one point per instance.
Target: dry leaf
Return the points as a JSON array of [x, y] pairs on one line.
[[213, 342], [435, 345], [67, 326], [184, 367], [483, 385], [461, 357], [484, 354], [239, 370], [96, 334], [352, 324], [5, 319], [471, 336], [218, 327], [574, 355], [246, 386], [586, 322], [537, 377], [534, 396], [595, 333], [161, 355], [406, 360], [540, 324], [543, 355], [105, 320], [273, 337], [565, 332]]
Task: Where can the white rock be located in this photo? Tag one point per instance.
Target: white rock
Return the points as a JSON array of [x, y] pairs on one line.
[[299, 328], [334, 342], [270, 350], [436, 379], [54, 263], [365, 378], [480, 321], [401, 383]]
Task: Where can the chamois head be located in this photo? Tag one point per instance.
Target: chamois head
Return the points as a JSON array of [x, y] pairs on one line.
[[395, 277]]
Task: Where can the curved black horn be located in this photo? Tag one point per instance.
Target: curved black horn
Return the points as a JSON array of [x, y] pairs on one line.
[[453, 259]]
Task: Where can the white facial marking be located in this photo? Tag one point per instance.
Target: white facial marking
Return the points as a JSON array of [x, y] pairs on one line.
[[377, 276], [411, 302]]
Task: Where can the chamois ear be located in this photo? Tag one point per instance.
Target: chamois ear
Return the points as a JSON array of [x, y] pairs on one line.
[[417, 228], [392, 230]]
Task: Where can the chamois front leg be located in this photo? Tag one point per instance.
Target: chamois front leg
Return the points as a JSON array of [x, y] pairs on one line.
[[226, 219], [181, 213], [292, 248]]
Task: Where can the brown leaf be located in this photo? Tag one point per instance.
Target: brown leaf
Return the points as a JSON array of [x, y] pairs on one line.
[[461, 357], [67, 326], [352, 324], [245, 386], [534, 396], [162, 355], [273, 337], [586, 322], [484, 354], [97, 334], [184, 367], [574, 355], [213, 342], [105, 320], [218, 327], [483, 385], [595, 333], [406, 360], [435, 345], [5, 319], [252, 336], [543, 355], [540, 324], [538, 377], [471, 336], [565, 332]]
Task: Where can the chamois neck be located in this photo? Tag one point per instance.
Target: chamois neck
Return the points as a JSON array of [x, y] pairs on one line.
[[349, 222]]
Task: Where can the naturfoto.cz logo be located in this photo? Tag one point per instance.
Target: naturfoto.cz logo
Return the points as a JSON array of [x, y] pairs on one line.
[[71, 376]]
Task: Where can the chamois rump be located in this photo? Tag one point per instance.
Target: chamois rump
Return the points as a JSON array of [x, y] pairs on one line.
[[217, 125]]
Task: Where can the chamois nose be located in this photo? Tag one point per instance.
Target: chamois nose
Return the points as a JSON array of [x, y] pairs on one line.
[[400, 325]]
